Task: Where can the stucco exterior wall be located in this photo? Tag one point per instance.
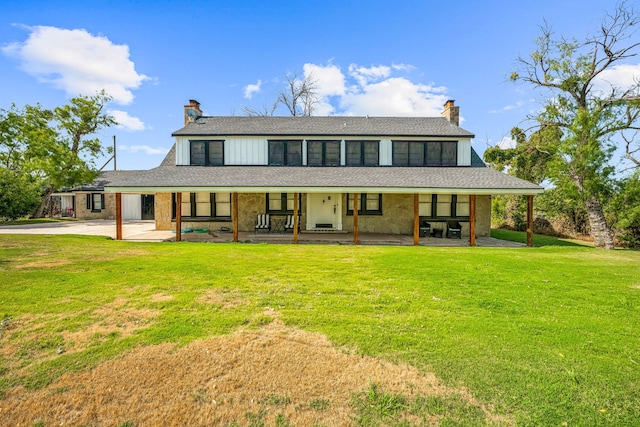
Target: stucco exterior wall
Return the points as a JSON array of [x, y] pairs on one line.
[[483, 216], [162, 211]]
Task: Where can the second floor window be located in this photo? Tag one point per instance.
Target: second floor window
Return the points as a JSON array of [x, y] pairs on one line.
[[285, 153], [323, 153], [362, 153], [425, 153], [207, 153]]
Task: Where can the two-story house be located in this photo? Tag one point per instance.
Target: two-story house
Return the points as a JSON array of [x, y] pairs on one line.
[[334, 174]]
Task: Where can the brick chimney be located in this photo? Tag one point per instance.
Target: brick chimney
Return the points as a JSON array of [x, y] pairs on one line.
[[192, 111], [451, 112]]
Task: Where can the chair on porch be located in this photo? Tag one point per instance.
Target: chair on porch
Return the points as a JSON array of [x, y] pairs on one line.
[[425, 228], [263, 223], [454, 229], [289, 224]]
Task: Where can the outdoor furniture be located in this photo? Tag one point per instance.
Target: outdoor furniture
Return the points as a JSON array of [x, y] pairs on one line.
[[425, 229], [454, 229], [437, 232], [263, 223], [278, 225], [289, 223]]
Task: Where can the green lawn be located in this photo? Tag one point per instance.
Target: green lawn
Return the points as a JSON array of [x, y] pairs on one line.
[[546, 335]]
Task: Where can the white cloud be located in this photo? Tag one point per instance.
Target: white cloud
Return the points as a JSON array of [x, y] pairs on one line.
[[403, 67], [395, 96], [508, 107], [250, 89], [127, 122], [365, 75], [621, 76], [373, 91], [506, 143], [77, 62], [144, 148], [330, 80]]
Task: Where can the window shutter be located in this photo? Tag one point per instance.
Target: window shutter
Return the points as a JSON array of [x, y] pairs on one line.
[[88, 201], [102, 201]]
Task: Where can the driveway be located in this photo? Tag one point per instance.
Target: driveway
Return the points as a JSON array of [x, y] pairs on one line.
[[131, 230]]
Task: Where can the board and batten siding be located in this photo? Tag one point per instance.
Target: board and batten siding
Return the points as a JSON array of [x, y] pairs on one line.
[[464, 152], [247, 151]]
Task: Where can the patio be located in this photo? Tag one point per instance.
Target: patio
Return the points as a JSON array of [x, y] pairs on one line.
[[342, 239]]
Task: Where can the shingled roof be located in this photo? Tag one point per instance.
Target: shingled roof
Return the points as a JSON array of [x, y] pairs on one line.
[[320, 179], [323, 126]]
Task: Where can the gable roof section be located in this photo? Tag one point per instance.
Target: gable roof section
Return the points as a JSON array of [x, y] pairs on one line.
[[323, 126], [106, 177]]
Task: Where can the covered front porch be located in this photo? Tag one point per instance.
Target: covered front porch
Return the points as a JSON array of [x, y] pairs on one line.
[[413, 233]]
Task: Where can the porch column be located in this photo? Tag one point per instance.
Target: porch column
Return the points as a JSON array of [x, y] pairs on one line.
[[472, 220], [416, 219], [356, 239], [530, 220], [234, 213], [178, 216], [118, 216], [295, 217]]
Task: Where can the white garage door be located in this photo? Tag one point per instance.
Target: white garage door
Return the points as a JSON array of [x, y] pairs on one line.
[[131, 206]]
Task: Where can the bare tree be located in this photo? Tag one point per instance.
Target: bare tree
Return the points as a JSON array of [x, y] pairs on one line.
[[300, 95], [249, 110], [587, 114]]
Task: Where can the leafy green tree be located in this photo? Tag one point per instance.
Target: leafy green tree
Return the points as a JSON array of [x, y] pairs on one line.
[[588, 112], [54, 148], [624, 210], [527, 160], [19, 194]]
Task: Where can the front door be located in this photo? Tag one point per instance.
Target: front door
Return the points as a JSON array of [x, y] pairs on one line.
[[147, 206], [324, 211]]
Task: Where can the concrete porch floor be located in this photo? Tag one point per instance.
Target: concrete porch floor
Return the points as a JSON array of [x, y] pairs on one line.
[[343, 239], [144, 231]]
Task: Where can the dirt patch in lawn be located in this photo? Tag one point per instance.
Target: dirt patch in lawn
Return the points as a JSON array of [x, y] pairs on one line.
[[40, 264], [39, 342], [276, 375], [221, 298]]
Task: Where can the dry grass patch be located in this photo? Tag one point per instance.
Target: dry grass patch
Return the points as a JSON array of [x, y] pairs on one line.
[[36, 338], [225, 300], [41, 264], [274, 373], [161, 297]]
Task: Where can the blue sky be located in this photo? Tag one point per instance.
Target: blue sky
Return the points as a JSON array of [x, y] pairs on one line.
[[381, 58]]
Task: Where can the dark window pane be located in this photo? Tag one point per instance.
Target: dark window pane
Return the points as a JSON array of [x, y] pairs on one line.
[[354, 157], [276, 153], [416, 153], [433, 154], [400, 153], [294, 153], [371, 153], [332, 153], [449, 153], [198, 153], [314, 153], [216, 153]]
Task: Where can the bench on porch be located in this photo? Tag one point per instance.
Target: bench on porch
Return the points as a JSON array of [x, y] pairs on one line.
[[289, 223], [263, 222]]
